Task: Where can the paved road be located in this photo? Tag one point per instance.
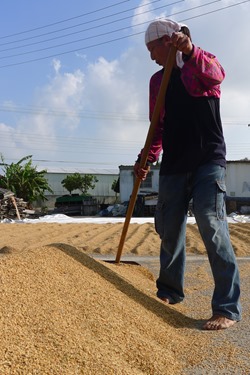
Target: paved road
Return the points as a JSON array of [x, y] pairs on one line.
[[238, 335]]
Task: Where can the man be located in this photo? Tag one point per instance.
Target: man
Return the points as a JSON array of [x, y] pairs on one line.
[[193, 167]]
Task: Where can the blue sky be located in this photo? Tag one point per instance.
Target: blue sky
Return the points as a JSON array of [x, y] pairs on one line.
[[74, 76]]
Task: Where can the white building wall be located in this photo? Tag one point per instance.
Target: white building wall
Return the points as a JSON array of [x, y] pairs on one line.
[[127, 182], [238, 179], [102, 187], [102, 190]]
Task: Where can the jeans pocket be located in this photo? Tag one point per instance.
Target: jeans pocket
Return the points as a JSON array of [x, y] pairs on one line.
[[159, 221], [220, 200]]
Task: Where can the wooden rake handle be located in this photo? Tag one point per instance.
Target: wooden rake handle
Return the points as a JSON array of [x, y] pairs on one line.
[[155, 118]]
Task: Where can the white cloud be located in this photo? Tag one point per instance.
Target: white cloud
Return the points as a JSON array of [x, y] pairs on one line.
[[12, 143], [113, 88], [56, 64], [56, 109], [108, 98]]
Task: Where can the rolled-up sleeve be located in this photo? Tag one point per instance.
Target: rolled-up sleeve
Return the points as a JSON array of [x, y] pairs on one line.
[[202, 74]]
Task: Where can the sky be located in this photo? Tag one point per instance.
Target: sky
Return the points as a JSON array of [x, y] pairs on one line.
[[74, 76]]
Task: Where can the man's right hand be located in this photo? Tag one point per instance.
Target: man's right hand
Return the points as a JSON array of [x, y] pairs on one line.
[[141, 173]]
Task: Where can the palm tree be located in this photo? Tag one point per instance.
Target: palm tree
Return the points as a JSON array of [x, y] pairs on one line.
[[24, 180]]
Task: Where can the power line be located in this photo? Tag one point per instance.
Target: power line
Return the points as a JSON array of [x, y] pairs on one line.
[[81, 31], [84, 146], [79, 145], [66, 20], [85, 23], [81, 151], [46, 138], [123, 37], [66, 161], [33, 110], [217, 10], [111, 116], [231, 149], [98, 26]]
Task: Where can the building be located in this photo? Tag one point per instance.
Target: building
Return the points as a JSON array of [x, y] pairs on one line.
[[238, 186], [127, 178], [102, 191], [238, 178], [237, 182]]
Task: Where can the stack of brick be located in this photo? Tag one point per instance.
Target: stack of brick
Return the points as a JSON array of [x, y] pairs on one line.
[[11, 207]]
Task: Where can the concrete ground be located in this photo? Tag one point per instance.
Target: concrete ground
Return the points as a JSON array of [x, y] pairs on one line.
[[238, 335]]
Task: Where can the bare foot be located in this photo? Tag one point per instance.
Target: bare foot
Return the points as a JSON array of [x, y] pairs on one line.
[[164, 299], [218, 322]]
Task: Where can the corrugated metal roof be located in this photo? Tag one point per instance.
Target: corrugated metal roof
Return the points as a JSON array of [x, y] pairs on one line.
[[83, 170], [243, 161]]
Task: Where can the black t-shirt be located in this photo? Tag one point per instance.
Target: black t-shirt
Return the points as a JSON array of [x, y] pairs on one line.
[[192, 134]]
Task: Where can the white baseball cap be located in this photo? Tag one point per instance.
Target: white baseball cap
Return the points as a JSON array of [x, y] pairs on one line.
[[161, 27]]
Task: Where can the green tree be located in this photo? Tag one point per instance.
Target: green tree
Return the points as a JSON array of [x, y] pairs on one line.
[[76, 181], [24, 180], [116, 187]]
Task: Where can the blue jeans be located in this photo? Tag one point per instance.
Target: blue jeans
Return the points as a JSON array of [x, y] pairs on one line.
[[206, 186]]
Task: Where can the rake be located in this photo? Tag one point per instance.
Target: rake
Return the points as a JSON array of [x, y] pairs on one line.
[[155, 118]]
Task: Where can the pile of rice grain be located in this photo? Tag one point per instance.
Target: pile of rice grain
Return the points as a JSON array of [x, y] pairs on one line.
[[62, 312]]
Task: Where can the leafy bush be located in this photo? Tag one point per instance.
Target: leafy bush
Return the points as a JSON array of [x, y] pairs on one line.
[[24, 180], [77, 182]]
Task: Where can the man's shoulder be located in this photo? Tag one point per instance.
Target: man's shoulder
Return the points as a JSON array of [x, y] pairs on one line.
[[157, 76]]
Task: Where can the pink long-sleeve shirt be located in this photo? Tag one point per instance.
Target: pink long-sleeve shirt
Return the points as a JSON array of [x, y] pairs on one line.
[[201, 75]]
